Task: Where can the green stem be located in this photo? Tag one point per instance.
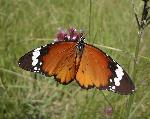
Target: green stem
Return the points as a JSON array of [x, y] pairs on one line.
[[136, 54], [131, 98], [90, 20]]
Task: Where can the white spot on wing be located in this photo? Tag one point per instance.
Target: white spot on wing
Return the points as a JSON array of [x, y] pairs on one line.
[[44, 45], [113, 87], [37, 49], [35, 68], [112, 90], [133, 90], [35, 54], [119, 73], [114, 61]]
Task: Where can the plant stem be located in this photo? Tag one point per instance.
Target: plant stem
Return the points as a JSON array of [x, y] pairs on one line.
[[90, 20], [136, 54], [131, 98]]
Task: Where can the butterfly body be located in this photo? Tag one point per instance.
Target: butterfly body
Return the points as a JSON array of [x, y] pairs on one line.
[[69, 60]]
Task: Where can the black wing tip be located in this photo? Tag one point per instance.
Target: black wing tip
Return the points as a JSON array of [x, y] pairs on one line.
[[25, 62]]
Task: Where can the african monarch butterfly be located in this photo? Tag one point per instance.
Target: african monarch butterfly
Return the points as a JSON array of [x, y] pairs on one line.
[[70, 58]]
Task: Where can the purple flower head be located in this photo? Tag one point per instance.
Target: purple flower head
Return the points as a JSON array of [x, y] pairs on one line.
[[71, 35], [61, 35]]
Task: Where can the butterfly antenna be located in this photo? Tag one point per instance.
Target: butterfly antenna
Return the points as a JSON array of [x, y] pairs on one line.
[[142, 24]]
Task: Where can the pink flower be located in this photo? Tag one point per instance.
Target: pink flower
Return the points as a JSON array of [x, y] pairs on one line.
[[61, 35], [71, 35]]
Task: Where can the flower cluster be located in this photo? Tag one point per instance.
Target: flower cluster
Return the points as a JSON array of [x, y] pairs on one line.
[[71, 35]]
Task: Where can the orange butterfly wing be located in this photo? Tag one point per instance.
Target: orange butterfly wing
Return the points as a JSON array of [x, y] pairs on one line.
[[93, 69], [56, 59], [99, 70], [60, 61]]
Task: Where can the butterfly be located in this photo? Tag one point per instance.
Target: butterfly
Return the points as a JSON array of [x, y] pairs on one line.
[[69, 58]]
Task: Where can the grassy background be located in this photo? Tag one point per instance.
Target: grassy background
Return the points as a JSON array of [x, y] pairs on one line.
[[27, 24]]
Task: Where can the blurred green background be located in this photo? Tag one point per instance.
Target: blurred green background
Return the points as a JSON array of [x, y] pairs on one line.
[[110, 25]]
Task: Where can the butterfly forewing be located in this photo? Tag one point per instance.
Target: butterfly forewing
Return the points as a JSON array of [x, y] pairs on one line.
[[93, 69], [56, 59], [99, 70], [119, 80], [60, 61]]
